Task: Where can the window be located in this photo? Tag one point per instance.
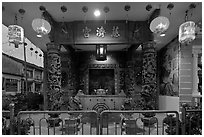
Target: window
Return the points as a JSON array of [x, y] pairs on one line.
[[11, 85], [29, 73], [38, 75]]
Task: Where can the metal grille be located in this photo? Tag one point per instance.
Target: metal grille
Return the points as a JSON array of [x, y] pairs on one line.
[[191, 122], [134, 123], [67, 123]]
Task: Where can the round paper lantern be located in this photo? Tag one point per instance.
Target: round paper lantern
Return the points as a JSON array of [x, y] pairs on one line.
[[41, 26], [15, 34], [187, 32], [159, 24]]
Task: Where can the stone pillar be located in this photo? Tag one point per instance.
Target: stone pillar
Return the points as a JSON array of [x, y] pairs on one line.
[[53, 75], [149, 85]]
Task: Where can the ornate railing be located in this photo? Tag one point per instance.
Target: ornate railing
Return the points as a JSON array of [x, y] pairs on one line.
[[134, 123], [59, 122], [108, 122]]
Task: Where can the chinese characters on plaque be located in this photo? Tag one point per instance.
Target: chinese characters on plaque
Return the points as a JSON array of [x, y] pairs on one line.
[[100, 32], [86, 31], [115, 32]]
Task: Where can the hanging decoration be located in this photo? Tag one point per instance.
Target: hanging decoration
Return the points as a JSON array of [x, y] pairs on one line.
[[106, 10], [64, 27], [115, 32], [40, 25], [159, 25], [100, 32], [16, 32], [127, 8], [85, 10], [86, 32], [187, 31], [170, 6], [148, 7], [101, 51]]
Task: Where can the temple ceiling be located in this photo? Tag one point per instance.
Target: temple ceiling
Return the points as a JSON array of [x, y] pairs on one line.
[[116, 19]]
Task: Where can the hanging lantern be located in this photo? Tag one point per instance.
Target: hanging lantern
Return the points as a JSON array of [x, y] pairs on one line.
[[41, 26], [159, 25], [101, 51], [15, 34], [187, 32]]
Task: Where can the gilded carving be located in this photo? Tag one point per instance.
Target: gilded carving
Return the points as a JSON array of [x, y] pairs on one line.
[[149, 87], [54, 77], [149, 68], [54, 72]]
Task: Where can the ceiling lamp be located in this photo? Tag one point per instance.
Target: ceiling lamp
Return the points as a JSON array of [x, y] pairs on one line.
[[159, 25], [187, 31], [97, 13], [101, 51]]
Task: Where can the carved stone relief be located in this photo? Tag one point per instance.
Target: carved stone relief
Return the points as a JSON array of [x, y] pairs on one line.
[[149, 87], [54, 76]]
